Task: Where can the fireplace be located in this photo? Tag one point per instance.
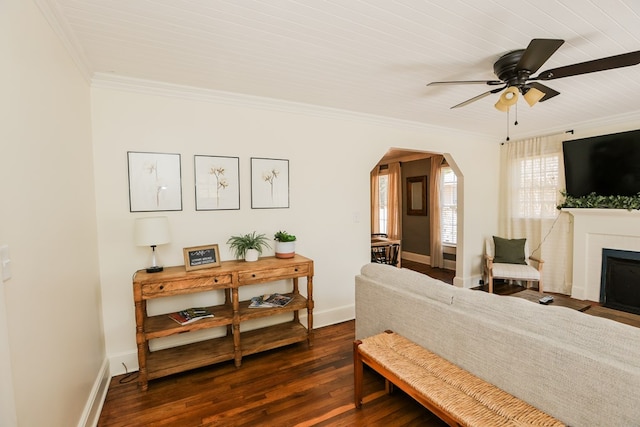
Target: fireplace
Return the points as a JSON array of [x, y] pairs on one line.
[[620, 280], [594, 230]]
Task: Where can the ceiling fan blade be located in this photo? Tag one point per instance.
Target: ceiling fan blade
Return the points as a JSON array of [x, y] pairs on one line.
[[467, 82], [602, 64], [537, 53], [475, 98], [548, 92]]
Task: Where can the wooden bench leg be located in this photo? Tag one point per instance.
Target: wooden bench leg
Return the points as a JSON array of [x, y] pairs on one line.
[[388, 386], [357, 374]]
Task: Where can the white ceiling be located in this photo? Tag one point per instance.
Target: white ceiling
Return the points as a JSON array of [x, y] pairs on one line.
[[372, 57]]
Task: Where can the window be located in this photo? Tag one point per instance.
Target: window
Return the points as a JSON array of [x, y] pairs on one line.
[[449, 206], [383, 183], [538, 190]]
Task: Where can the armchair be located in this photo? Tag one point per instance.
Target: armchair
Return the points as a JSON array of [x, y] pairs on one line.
[[510, 259]]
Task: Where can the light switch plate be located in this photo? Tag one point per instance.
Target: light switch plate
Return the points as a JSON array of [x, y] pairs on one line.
[[5, 263]]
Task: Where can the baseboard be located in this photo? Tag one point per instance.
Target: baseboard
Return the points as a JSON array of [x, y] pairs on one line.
[[411, 256], [93, 407], [333, 316], [449, 264], [117, 363], [578, 292], [469, 282]]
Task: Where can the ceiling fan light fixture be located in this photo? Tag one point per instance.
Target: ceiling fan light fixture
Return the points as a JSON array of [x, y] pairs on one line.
[[533, 95], [508, 98], [501, 106]]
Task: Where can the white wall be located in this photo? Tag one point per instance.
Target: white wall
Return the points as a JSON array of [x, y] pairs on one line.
[[330, 160], [53, 343]]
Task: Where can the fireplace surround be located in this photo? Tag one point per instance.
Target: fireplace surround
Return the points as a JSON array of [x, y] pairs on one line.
[[593, 231]]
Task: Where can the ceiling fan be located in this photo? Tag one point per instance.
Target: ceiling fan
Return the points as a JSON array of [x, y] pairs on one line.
[[515, 71]]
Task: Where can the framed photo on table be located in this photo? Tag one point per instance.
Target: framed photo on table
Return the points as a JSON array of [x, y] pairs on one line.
[[269, 183], [199, 257], [155, 182], [217, 181]]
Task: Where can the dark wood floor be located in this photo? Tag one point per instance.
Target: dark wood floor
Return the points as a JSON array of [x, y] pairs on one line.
[[292, 386], [502, 287], [437, 273]]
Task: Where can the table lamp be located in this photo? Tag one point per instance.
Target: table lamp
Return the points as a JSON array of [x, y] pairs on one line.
[[152, 231]]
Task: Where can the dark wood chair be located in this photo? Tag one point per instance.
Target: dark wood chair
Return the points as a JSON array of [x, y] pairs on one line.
[[387, 254]]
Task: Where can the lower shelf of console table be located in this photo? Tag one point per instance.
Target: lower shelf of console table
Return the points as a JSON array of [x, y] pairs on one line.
[[174, 360], [237, 343]]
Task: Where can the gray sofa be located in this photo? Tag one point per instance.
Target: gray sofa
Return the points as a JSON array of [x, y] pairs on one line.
[[581, 369]]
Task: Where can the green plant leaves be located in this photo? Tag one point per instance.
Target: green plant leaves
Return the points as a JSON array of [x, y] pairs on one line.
[[240, 244], [283, 236], [596, 201]]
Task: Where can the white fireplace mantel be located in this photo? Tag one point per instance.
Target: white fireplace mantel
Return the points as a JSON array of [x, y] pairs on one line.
[[594, 230]]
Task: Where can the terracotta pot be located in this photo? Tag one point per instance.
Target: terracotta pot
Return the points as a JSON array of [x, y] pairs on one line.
[[285, 249]]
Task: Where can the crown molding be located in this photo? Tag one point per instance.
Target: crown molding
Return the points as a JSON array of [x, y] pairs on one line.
[[629, 120], [60, 26], [151, 87]]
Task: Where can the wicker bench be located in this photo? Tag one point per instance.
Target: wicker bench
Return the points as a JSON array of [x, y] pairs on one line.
[[454, 395]]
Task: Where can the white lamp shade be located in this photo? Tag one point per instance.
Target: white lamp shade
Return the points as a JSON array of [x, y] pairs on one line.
[[151, 231]]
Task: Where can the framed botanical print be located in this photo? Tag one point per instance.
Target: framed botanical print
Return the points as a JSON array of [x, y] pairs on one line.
[[269, 183], [155, 182], [217, 181]]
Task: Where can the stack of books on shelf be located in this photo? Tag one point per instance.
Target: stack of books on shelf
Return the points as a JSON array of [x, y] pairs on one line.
[[190, 315], [270, 300]]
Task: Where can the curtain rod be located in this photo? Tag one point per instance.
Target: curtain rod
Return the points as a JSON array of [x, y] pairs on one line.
[[541, 136]]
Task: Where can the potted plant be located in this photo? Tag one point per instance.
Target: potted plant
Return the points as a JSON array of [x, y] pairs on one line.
[[285, 244], [248, 246]]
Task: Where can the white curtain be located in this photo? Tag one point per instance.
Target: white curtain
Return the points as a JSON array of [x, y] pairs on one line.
[[375, 202], [394, 201], [436, 255], [531, 177]]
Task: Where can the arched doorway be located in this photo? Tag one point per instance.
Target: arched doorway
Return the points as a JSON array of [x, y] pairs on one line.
[[415, 225]]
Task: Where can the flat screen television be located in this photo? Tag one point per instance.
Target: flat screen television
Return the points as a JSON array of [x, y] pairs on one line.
[[608, 165]]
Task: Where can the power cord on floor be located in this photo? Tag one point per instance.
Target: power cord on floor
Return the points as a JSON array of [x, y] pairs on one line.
[[128, 377]]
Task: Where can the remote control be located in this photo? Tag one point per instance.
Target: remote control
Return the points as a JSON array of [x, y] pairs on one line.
[[546, 299]]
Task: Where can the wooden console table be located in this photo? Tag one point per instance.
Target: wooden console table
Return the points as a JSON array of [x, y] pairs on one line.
[[227, 279]]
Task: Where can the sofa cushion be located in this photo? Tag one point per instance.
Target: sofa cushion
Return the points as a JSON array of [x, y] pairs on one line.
[[509, 251], [515, 271]]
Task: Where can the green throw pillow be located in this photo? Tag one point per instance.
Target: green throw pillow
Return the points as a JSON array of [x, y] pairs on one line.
[[509, 251]]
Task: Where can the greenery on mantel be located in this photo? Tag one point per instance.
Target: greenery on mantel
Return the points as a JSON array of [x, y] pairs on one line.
[[595, 201]]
